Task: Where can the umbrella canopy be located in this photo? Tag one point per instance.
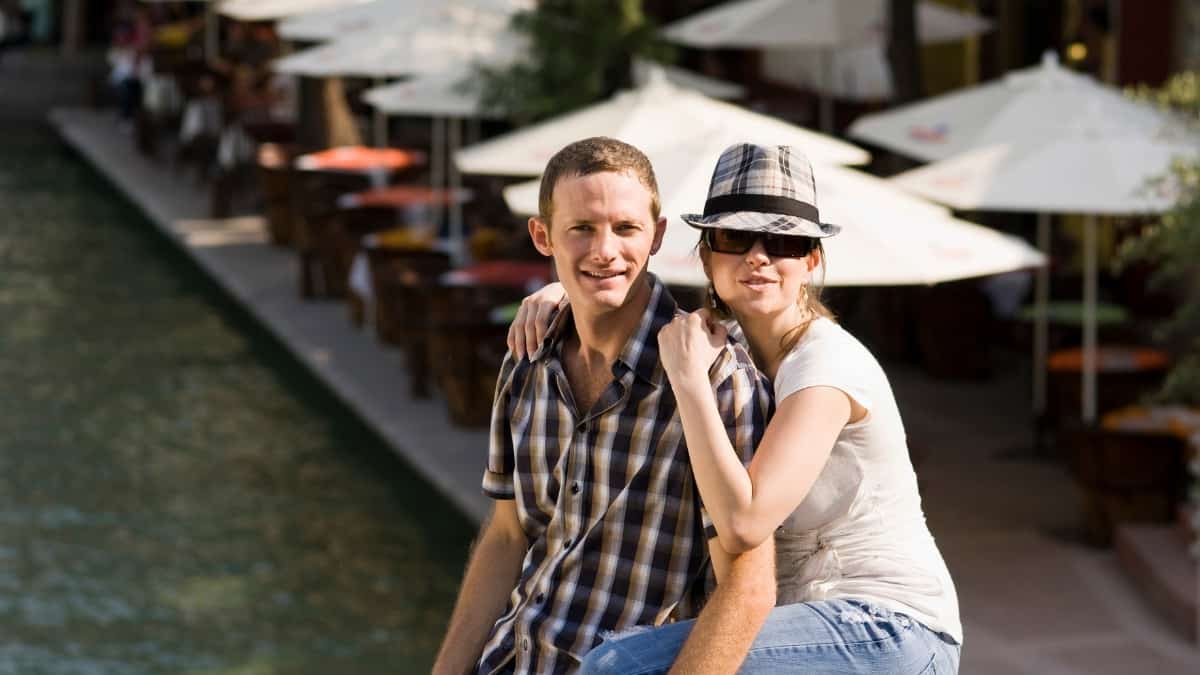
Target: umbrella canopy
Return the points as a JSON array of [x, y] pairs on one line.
[[814, 23], [452, 93], [1080, 171], [888, 237], [855, 73], [1035, 105], [650, 117], [342, 21], [442, 40], [448, 93], [644, 71], [1042, 140], [270, 10]]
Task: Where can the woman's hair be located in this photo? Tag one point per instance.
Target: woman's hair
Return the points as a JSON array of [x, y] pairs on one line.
[[814, 305]]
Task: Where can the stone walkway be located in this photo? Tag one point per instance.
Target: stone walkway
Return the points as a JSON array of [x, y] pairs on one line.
[[1032, 602]]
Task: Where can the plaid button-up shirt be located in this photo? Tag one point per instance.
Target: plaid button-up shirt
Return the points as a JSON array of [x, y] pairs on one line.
[[606, 498]]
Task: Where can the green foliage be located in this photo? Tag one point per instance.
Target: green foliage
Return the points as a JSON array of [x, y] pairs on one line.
[[580, 51], [1173, 243]]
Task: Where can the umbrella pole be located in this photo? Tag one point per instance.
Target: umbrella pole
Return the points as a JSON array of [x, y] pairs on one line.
[[1089, 320], [1041, 337], [379, 123], [826, 98], [436, 168], [458, 252]]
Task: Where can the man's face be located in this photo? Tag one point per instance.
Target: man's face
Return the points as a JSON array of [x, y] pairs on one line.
[[601, 238]]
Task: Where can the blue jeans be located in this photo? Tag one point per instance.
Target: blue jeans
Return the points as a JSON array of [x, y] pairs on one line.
[[831, 636]]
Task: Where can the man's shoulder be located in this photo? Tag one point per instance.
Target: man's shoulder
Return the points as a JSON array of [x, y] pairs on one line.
[[734, 359]]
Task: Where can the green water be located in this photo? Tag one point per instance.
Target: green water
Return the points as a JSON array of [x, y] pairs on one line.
[[176, 496]]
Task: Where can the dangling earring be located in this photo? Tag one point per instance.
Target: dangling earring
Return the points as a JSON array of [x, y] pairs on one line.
[[804, 298], [714, 300]]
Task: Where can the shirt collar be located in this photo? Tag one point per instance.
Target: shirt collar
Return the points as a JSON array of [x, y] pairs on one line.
[[640, 353]]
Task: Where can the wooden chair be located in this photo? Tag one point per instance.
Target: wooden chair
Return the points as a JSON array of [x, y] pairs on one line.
[[401, 280], [466, 348], [1126, 477], [274, 165], [339, 240], [313, 196]]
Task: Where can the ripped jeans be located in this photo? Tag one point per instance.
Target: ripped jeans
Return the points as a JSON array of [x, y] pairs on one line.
[[830, 636]]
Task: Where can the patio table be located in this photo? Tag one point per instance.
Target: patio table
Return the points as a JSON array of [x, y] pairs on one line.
[[511, 273], [402, 196], [1180, 421], [1111, 359], [377, 163]]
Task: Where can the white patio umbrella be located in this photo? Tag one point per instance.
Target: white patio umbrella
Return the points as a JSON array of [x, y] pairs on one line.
[[644, 71], [271, 10], [440, 40], [822, 25], [433, 41], [1039, 140], [447, 97], [656, 115], [342, 21], [888, 237]]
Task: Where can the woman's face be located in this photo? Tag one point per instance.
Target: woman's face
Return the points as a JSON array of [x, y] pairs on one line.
[[754, 284]]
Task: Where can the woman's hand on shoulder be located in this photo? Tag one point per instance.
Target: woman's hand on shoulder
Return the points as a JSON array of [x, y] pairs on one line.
[[688, 346], [532, 322]]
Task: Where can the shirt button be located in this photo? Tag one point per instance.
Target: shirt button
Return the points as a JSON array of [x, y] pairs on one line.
[[525, 644], [575, 487]]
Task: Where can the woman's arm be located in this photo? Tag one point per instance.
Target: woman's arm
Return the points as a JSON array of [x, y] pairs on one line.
[[746, 507]]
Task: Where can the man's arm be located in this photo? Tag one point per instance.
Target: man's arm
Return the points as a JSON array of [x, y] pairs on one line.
[[735, 612], [487, 584]]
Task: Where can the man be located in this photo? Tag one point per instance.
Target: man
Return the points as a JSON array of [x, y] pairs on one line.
[[597, 525]]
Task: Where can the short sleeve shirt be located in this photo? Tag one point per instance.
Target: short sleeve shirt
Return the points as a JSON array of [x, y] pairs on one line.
[[606, 496]]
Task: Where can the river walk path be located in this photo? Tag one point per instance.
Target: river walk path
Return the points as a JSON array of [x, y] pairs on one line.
[[1032, 602]]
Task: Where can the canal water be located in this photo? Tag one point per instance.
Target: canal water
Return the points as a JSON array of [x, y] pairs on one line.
[[176, 495]]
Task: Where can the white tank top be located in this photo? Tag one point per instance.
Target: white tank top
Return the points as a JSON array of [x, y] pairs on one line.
[[860, 532]]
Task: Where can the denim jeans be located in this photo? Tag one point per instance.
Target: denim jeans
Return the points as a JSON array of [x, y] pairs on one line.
[[831, 636]]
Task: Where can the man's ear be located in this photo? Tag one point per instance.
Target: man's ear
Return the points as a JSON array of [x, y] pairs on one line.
[[660, 229], [539, 232]]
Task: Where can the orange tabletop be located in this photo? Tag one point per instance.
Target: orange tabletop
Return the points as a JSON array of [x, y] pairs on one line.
[[358, 158], [1111, 359], [1179, 421], [516, 273], [400, 196]]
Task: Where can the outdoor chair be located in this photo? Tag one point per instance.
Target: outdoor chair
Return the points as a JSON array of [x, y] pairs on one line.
[[314, 196], [467, 347], [274, 165], [339, 240], [1126, 476], [401, 279]]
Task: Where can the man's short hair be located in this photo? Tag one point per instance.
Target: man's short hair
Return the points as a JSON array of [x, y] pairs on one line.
[[596, 155]]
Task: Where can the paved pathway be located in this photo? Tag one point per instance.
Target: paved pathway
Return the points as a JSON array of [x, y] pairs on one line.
[[1033, 603]]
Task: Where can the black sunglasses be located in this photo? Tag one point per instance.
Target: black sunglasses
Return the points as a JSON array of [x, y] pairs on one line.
[[775, 245]]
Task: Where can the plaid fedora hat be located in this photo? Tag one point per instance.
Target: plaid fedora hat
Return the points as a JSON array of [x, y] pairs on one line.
[[763, 189]]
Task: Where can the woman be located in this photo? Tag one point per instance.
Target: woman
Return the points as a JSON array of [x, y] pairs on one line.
[[861, 584]]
